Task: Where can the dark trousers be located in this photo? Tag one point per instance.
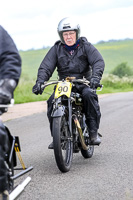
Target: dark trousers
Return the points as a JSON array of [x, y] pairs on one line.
[[90, 106], [3, 151]]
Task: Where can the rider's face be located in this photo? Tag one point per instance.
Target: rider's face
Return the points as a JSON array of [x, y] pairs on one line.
[[69, 37]]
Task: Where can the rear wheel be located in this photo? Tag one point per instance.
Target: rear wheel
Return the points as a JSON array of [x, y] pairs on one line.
[[86, 153], [10, 175], [10, 168], [63, 146]]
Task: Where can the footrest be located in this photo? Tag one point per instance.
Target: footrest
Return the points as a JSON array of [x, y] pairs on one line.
[[100, 135], [21, 173]]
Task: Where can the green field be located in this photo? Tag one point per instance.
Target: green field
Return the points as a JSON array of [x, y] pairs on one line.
[[113, 53], [30, 62]]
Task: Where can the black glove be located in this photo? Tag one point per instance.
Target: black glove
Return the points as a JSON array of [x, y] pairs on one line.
[[37, 88], [95, 82], [7, 87]]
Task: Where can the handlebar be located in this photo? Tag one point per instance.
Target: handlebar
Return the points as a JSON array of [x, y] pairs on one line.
[[4, 107], [84, 81], [71, 79], [7, 105], [50, 83], [101, 87]]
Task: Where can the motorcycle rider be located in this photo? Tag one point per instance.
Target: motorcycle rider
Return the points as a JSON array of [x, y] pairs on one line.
[[10, 70], [74, 56]]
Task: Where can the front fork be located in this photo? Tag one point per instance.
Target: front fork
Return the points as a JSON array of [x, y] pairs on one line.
[[59, 110], [70, 115]]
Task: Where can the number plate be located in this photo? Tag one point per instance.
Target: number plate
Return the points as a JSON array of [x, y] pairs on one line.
[[63, 88]]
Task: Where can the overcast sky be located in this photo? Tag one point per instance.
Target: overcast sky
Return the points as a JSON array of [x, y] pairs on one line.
[[33, 23]]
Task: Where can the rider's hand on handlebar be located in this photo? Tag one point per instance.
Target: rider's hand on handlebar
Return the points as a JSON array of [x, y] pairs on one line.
[[37, 89], [95, 82]]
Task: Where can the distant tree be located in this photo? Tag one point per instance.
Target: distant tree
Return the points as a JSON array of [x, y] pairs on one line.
[[122, 70], [101, 42]]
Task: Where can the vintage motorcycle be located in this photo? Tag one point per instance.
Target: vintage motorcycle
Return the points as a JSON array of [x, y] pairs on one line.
[[69, 130]]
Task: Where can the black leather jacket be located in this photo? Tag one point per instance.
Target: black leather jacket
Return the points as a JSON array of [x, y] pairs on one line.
[[85, 61], [10, 61]]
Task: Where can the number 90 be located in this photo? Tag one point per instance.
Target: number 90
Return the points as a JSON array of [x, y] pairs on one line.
[[62, 89]]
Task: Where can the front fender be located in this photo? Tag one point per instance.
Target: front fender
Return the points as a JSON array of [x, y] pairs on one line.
[[58, 112]]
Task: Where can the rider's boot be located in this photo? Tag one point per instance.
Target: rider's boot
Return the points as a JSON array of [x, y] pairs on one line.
[[51, 146], [4, 195], [94, 137], [93, 132]]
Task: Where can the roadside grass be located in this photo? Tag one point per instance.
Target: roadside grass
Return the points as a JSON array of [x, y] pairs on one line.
[[114, 84], [23, 93], [110, 80]]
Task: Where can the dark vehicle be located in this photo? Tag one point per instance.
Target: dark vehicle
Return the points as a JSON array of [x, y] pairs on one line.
[[11, 161]]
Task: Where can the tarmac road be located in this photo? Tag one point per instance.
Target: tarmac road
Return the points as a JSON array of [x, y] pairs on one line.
[[108, 175]]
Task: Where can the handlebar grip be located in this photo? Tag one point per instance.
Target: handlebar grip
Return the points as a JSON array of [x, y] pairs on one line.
[[101, 87]]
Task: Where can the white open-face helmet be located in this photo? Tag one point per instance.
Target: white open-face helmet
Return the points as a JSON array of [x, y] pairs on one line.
[[68, 24]]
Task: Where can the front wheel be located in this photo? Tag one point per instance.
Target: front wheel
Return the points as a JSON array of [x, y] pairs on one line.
[[63, 146]]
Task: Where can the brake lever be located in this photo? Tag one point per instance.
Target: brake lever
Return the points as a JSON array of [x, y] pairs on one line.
[[4, 107]]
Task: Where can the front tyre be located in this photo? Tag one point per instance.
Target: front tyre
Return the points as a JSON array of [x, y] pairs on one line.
[[63, 146]]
